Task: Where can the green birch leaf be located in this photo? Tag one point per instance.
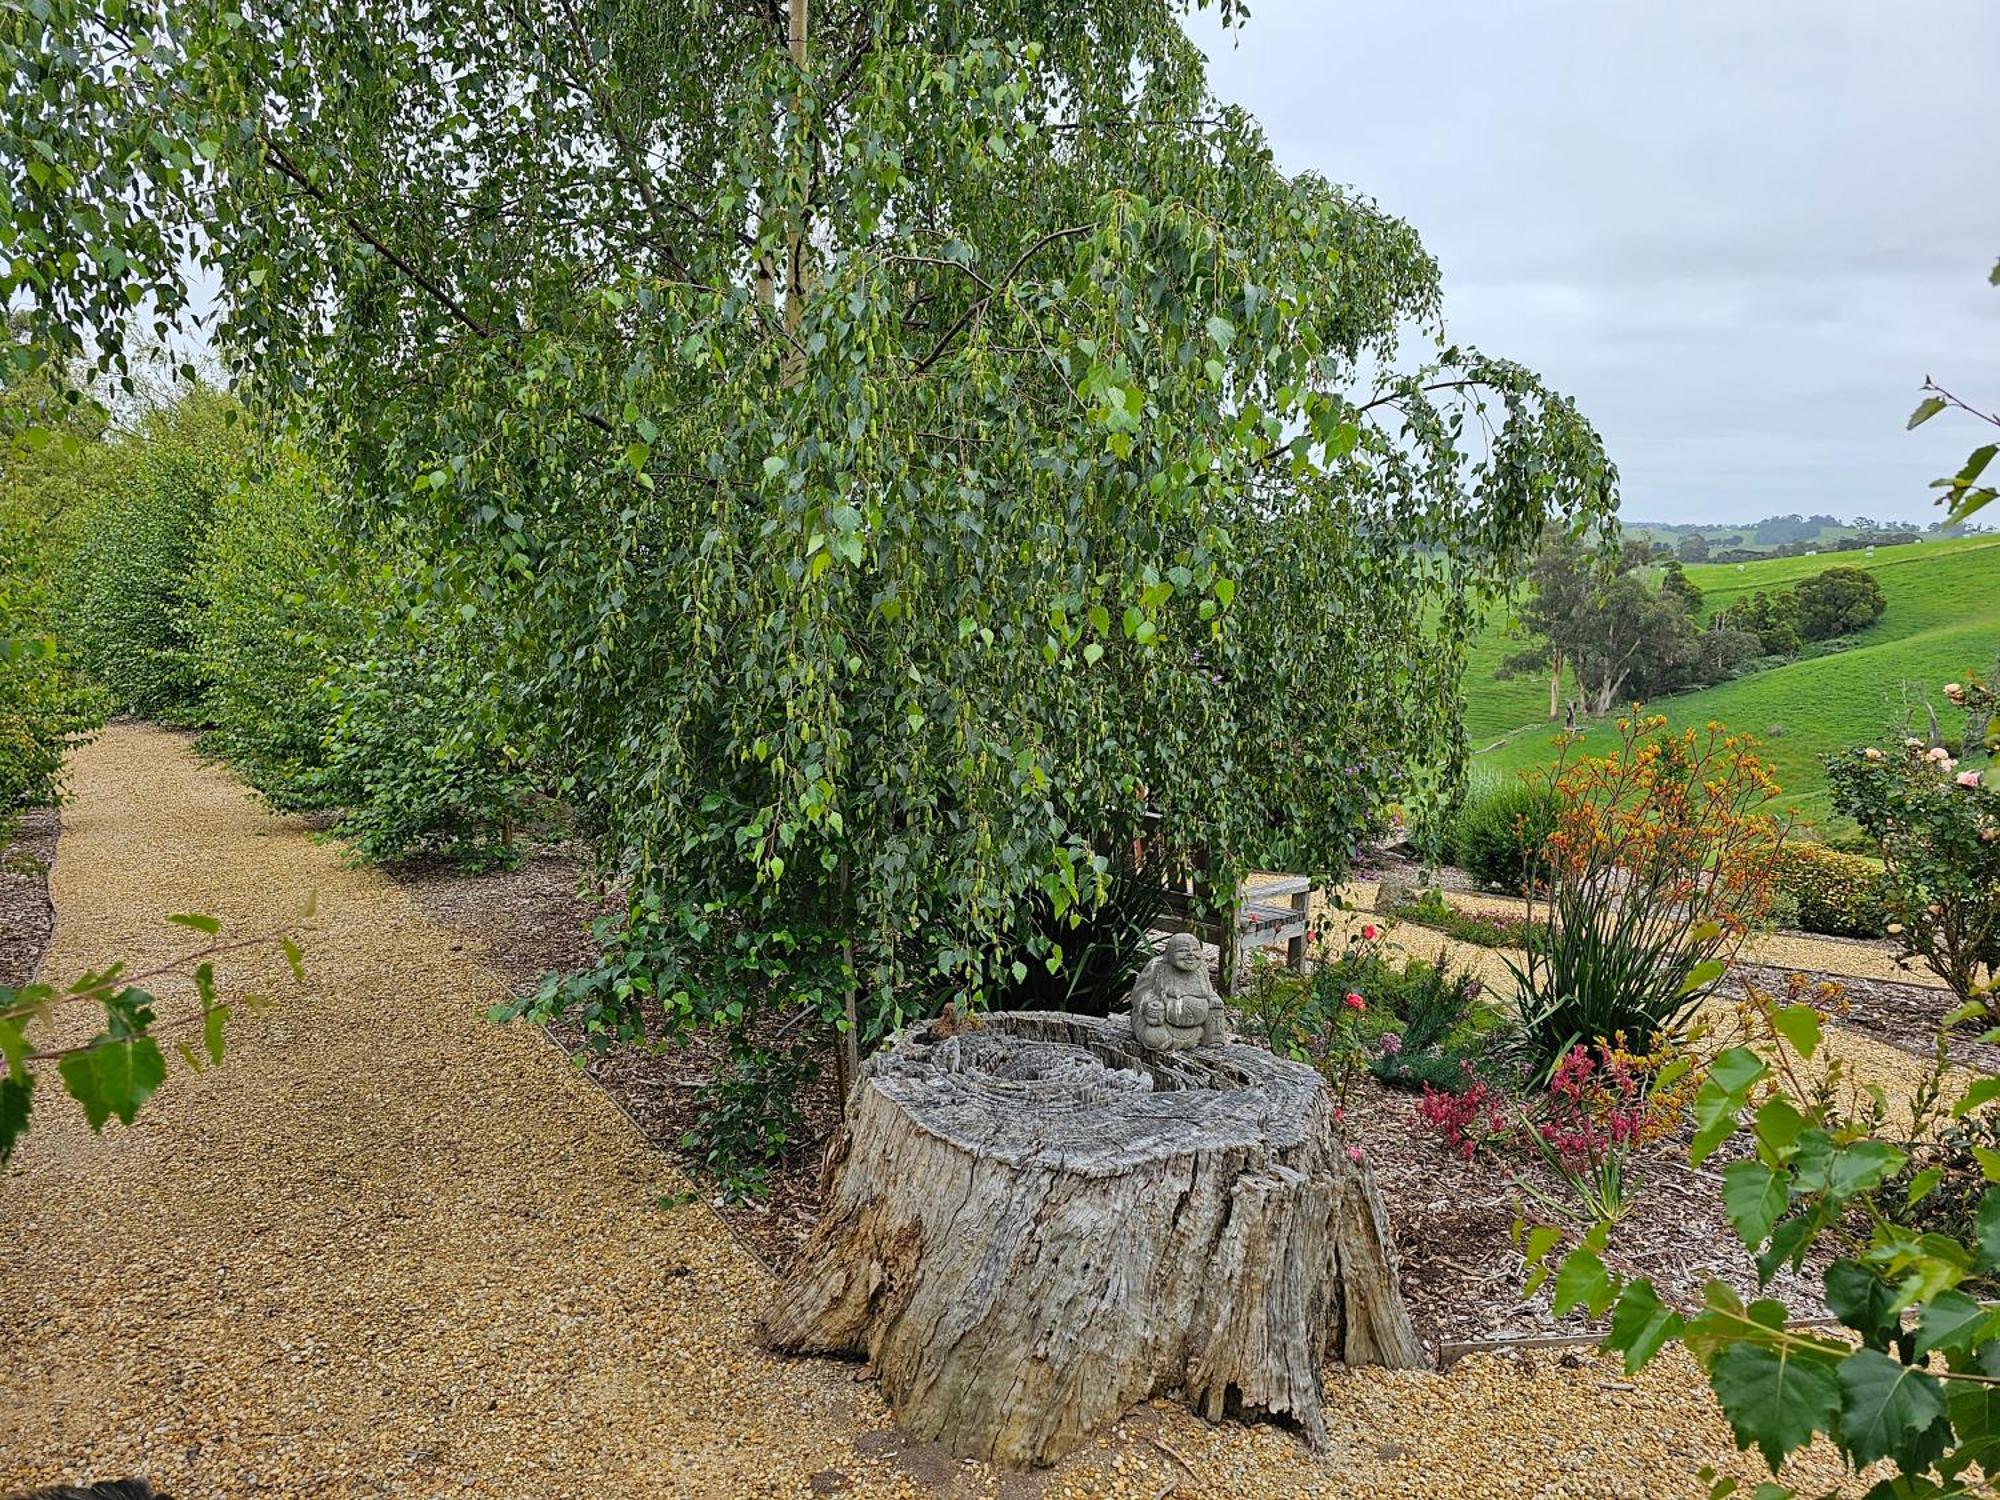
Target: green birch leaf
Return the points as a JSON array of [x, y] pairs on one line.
[[1951, 1320], [1774, 1399], [1986, 1230], [1885, 1407], [1799, 1025], [1641, 1325], [113, 1077], [1583, 1281], [17, 1099], [1754, 1196], [211, 1031]]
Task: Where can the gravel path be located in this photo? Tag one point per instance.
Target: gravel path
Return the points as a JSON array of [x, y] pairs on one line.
[[390, 1249]]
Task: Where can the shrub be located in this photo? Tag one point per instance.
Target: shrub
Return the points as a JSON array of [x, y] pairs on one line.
[[1662, 859], [130, 592], [420, 754], [1497, 837], [282, 605], [1821, 889], [1938, 828], [46, 705]]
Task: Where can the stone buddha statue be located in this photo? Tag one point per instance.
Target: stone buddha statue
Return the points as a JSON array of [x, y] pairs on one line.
[[1174, 1007]]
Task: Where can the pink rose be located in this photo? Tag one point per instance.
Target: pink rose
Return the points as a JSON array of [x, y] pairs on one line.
[[1354, 1153], [1371, 932], [1355, 1002], [1937, 753], [1969, 778]]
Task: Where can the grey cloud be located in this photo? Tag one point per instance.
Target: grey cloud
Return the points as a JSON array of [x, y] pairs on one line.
[[1739, 234]]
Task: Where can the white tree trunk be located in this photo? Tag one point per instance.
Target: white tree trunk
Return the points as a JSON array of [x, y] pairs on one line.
[[1035, 1226]]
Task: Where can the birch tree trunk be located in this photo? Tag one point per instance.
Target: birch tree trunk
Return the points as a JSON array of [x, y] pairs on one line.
[[1035, 1226]]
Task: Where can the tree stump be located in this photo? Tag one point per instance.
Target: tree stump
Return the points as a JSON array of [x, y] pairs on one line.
[[1035, 1225]]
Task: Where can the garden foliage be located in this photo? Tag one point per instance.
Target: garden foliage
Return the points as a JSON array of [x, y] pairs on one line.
[[130, 589], [1662, 860], [890, 466], [1936, 821], [284, 596], [1814, 1168]]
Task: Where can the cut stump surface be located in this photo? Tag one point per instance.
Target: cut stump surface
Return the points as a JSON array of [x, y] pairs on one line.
[[1036, 1225]]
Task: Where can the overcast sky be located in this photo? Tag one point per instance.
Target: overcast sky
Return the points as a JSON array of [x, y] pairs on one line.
[[1738, 232]]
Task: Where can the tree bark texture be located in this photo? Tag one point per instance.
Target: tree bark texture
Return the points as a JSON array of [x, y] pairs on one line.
[[1035, 1225]]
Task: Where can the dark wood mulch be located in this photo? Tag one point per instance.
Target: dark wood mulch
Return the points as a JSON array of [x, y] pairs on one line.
[[27, 918], [1451, 1218]]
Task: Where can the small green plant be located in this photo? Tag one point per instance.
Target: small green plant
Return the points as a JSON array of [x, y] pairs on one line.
[[1498, 835], [750, 1117]]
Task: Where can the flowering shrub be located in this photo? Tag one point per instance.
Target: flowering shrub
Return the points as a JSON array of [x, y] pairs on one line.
[[1662, 859], [1937, 824], [1470, 1118]]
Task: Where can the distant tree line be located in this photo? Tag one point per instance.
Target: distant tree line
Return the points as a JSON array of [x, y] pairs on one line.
[[1596, 615]]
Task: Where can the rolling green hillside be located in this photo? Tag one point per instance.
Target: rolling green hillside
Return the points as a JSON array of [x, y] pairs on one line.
[[1942, 621]]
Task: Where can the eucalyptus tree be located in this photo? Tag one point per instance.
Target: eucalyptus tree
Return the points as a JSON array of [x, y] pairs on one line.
[[909, 447]]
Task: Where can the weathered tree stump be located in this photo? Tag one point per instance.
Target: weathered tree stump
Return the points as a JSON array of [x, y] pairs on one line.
[[1035, 1225]]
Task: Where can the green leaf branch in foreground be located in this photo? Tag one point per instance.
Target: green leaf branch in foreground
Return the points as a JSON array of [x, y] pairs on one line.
[[106, 1035], [1910, 1376]]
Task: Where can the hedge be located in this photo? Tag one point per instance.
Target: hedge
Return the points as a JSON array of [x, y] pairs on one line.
[[1828, 892]]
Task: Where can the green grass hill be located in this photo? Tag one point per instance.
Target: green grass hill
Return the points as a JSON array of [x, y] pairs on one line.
[[1942, 622]]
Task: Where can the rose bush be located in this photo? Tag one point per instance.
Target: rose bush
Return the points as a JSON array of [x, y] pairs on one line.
[[1936, 821]]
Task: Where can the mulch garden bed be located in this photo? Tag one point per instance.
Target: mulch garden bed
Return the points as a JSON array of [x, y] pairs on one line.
[[1452, 1218], [27, 918]]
